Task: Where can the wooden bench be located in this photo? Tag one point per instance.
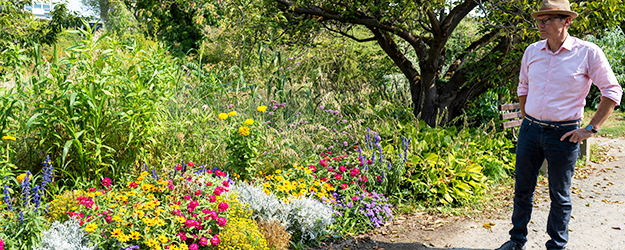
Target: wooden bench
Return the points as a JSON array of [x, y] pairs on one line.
[[513, 119]]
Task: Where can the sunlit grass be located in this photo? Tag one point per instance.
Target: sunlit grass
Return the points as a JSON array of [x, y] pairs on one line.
[[614, 127]]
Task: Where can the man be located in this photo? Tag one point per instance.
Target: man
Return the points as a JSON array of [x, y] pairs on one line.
[[555, 78]]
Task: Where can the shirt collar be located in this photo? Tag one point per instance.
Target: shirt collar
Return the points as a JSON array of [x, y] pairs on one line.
[[568, 44]]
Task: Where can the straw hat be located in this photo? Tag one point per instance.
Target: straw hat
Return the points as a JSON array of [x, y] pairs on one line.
[[555, 7]]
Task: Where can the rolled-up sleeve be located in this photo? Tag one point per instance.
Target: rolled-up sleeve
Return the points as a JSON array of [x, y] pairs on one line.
[[523, 87], [603, 77]]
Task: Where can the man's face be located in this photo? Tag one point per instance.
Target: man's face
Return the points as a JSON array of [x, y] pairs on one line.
[[551, 25]]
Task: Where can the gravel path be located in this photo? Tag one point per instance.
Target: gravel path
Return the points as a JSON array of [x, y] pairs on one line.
[[598, 217]]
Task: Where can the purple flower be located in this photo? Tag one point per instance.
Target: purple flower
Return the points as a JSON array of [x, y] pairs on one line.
[[26, 188], [47, 173], [36, 198], [345, 143], [7, 198]]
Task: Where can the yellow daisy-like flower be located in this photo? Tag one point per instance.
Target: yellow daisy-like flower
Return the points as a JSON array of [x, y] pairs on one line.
[[91, 227], [116, 233], [249, 121], [279, 178], [124, 238], [180, 219], [183, 246], [7, 137], [135, 235], [244, 131], [261, 108], [162, 238], [233, 113], [223, 116], [267, 185], [151, 242], [267, 191], [278, 171]]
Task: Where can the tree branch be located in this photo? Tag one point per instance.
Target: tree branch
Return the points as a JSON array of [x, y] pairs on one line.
[[470, 49], [435, 24], [348, 35]]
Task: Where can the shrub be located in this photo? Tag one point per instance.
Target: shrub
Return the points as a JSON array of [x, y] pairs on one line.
[[242, 232], [66, 236], [306, 219], [62, 203], [275, 233]]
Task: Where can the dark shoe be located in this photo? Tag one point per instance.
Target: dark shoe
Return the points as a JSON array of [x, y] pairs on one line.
[[511, 245]]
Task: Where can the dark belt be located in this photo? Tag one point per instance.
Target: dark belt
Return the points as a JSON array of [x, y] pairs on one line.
[[552, 124]]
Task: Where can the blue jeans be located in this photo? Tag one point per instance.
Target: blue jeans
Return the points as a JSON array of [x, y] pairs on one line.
[[536, 143]]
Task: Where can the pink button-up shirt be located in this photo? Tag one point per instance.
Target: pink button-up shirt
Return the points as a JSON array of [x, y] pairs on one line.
[[556, 84]]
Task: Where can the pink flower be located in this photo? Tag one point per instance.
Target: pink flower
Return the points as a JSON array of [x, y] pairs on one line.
[[212, 198], [339, 177], [203, 241], [190, 164], [323, 163], [355, 198], [187, 197], [215, 240], [106, 182], [364, 178], [190, 223], [198, 192], [344, 186], [213, 214], [312, 167], [222, 207], [342, 169], [205, 210], [178, 167], [182, 235], [221, 221], [225, 184], [192, 205], [330, 169]]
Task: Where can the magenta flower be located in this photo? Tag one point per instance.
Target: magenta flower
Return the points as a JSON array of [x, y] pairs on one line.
[[212, 198], [222, 207], [205, 210], [203, 241], [193, 246], [187, 197], [213, 214], [106, 182], [190, 223], [215, 240], [198, 192], [221, 221], [342, 168], [225, 184], [182, 235]]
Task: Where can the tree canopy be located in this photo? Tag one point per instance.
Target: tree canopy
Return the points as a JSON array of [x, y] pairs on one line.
[[443, 80]]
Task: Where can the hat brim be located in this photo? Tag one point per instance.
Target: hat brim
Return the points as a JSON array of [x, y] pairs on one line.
[[572, 14]]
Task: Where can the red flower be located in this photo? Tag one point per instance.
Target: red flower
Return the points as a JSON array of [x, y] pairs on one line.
[[225, 184], [198, 192], [133, 184], [339, 177], [178, 167], [312, 167], [190, 164], [344, 186], [355, 147]]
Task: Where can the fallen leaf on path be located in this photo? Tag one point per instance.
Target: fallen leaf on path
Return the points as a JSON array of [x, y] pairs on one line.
[[487, 226], [617, 228]]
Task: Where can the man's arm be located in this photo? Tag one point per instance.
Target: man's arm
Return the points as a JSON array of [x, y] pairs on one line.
[[522, 101], [606, 106]]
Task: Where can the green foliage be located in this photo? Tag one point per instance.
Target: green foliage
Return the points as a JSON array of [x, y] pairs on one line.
[[613, 45], [243, 148], [451, 165], [97, 111], [18, 27]]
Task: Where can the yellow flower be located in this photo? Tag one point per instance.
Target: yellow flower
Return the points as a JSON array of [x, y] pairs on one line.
[[91, 227], [151, 242], [278, 171], [223, 116], [279, 178], [124, 238], [267, 185], [21, 178], [183, 246], [162, 238], [7, 137], [249, 122], [244, 131], [261, 108], [135, 235], [233, 113], [267, 191], [116, 233]]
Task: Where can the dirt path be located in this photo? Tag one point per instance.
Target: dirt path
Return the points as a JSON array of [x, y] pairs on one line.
[[598, 217]]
